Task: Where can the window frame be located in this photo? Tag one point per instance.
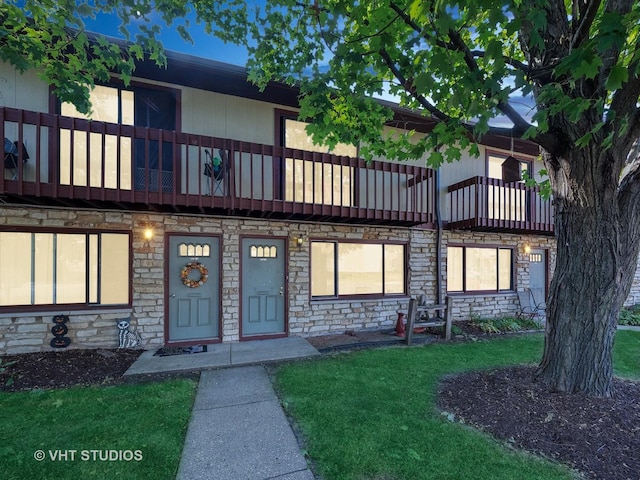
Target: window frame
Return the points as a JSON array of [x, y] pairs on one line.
[[55, 107], [497, 248], [504, 155], [87, 305], [373, 296]]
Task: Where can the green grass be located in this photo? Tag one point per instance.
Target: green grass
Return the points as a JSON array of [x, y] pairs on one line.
[[372, 414], [151, 418], [626, 354]]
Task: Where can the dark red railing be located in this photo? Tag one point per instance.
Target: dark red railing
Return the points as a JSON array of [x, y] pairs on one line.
[[76, 161], [491, 204]]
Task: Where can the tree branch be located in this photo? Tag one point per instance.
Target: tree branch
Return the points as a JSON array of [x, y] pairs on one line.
[[519, 123], [583, 22], [407, 84], [457, 44]]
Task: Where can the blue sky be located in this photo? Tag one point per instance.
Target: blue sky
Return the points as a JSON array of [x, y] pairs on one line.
[[207, 46]]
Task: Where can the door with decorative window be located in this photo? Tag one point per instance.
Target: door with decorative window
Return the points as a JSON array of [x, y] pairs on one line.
[[263, 287], [538, 274], [193, 288]]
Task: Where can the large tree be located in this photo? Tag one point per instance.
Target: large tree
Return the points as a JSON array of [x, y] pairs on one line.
[[464, 63]]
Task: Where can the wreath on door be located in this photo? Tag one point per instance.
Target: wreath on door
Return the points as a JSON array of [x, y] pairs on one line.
[[194, 283]]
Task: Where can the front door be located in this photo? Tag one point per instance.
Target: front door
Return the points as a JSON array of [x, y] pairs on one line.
[[263, 286], [193, 288], [538, 273]]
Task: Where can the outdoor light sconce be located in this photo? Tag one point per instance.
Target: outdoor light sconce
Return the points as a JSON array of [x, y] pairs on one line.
[[298, 241], [148, 235], [527, 248]]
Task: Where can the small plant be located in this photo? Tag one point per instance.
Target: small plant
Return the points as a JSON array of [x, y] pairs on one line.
[[3, 368], [630, 316], [504, 324], [456, 330], [487, 325]]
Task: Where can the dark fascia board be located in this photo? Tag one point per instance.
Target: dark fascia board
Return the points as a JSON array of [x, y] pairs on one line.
[[214, 76], [211, 75]]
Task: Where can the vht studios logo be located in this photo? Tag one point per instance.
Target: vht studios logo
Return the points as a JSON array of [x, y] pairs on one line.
[[88, 455]]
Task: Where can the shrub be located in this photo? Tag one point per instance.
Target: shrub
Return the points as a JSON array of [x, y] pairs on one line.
[[630, 316], [504, 324]]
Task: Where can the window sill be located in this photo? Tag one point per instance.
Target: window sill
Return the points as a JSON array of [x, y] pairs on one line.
[[368, 298], [487, 293], [50, 313]]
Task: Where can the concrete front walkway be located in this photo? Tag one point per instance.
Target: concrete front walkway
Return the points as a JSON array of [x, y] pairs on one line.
[[221, 355], [238, 431]]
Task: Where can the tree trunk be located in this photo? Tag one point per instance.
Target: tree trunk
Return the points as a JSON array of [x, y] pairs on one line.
[[597, 253]]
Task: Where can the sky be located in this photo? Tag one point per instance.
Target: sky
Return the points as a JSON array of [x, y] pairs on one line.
[[211, 47], [206, 46]]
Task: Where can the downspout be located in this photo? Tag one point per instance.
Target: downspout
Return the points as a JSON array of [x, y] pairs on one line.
[[439, 288]]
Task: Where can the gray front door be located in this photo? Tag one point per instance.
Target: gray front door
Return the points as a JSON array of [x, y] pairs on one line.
[[538, 271], [263, 286], [194, 312]]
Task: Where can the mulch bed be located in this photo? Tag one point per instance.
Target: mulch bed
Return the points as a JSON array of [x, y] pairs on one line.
[[67, 368], [598, 437]]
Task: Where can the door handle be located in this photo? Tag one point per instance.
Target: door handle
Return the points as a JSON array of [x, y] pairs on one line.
[[173, 295], [282, 291]]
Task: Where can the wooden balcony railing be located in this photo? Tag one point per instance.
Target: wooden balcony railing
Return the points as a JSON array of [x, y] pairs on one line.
[[483, 203], [74, 162]]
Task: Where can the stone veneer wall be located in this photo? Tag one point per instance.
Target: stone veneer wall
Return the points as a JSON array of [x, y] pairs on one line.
[[96, 328], [634, 293], [466, 306]]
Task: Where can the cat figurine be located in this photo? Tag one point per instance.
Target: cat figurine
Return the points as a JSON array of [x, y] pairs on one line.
[[126, 338]]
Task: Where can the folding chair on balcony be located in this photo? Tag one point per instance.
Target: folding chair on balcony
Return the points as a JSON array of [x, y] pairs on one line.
[[216, 171], [11, 156]]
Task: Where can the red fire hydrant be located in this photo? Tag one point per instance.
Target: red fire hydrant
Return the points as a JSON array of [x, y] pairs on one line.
[[400, 325]]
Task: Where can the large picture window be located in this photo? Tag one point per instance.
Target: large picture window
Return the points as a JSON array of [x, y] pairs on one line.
[[479, 269], [51, 268], [352, 269]]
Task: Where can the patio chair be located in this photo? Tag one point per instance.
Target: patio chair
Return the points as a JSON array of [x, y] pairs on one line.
[[527, 307], [539, 303]]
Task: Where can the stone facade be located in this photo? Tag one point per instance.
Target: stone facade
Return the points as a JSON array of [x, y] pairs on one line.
[[27, 332], [502, 304], [306, 317]]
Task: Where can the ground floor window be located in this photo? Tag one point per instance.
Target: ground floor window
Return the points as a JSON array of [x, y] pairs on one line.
[[64, 268], [340, 268], [479, 269]]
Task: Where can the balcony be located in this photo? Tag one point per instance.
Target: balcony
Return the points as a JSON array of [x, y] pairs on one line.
[[488, 204], [79, 163]]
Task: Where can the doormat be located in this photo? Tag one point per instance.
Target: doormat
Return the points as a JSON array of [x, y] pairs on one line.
[[167, 351]]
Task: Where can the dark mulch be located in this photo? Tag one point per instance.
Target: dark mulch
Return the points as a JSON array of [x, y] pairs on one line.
[[599, 437], [66, 368]]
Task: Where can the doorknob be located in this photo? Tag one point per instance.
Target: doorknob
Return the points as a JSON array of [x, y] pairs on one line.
[[282, 291], [173, 295]]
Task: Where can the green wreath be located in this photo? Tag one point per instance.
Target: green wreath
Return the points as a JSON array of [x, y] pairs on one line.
[[186, 270]]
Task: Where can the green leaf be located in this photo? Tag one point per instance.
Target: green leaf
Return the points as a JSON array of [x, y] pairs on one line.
[[617, 76]]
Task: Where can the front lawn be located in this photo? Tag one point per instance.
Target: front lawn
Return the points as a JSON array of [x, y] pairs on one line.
[[125, 431], [372, 414]]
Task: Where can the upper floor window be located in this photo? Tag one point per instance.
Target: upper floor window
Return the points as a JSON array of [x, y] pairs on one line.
[[507, 168], [99, 160], [479, 269], [352, 268], [320, 182], [74, 268], [508, 202]]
